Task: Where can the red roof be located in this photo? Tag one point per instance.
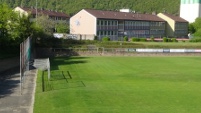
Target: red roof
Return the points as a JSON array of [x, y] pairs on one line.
[[45, 12], [123, 15], [175, 18]]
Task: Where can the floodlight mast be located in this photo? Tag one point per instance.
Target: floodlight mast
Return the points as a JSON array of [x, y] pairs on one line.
[[36, 11], [56, 5]]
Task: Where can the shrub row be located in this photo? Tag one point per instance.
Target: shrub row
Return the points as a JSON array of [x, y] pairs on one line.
[[169, 39], [196, 39]]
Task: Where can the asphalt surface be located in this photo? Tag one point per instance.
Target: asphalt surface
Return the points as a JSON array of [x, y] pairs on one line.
[[12, 98]]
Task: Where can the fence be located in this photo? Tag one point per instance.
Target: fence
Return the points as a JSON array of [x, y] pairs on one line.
[[100, 51], [25, 54]]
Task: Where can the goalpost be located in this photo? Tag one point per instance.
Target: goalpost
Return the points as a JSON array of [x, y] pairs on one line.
[[48, 68], [43, 64]]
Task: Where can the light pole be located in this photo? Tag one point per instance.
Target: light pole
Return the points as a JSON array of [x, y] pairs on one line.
[[56, 5], [36, 11]]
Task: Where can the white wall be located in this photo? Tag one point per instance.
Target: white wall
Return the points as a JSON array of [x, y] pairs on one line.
[[190, 12], [83, 23]]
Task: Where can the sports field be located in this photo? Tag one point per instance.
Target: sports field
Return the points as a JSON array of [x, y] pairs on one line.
[[120, 85]]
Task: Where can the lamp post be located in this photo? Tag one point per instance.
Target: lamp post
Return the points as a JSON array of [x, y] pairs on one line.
[[36, 11]]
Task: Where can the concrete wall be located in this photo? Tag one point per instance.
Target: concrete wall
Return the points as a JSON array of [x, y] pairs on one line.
[[83, 23], [190, 11]]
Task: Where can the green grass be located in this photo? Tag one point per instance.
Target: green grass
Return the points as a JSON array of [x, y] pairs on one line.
[[150, 45], [121, 85]]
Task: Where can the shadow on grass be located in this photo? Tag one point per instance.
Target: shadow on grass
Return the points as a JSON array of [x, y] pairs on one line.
[[58, 81], [56, 62]]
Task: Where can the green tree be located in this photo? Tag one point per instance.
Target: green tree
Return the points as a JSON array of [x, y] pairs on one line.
[[191, 28], [105, 39], [14, 28], [25, 28], [125, 38], [197, 23], [8, 23], [62, 27], [198, 33], [46, 24], [196, 26], [73, 6]]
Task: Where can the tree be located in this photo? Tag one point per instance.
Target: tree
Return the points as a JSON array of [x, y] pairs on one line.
[[73, 6], [62, 27], [25, 28], [196, 27], [8, 21], [197, 23], [198, 33], [191, 28], [46, 24], [14, 28]]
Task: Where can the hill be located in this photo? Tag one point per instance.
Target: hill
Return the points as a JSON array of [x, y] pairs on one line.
[[73, 6]]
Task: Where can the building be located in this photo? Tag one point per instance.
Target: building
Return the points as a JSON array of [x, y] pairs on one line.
[[176, 26], [190, 10], [115, 24], [54, 15]]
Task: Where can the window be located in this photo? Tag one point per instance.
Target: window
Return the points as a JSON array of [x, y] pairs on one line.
[[102, 23], [105, 23]]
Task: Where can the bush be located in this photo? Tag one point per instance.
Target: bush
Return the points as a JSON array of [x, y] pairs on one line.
[[169, 40], [134, 39], [196, 39], [106, 39], [125, 38], [152, 39], [174, 40], [95, 37], [165, 39], [143, 39]]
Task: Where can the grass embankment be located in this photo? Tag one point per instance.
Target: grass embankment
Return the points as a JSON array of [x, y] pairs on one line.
[[61, 43], [121, 85], [186, 45]]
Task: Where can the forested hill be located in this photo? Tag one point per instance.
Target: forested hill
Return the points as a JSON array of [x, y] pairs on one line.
[[73, 6]]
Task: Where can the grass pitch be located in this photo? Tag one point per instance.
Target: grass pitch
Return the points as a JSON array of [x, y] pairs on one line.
[[120, 85]]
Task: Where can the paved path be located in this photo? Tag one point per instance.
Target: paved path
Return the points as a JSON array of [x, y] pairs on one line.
[[6, 64], [11, 99]]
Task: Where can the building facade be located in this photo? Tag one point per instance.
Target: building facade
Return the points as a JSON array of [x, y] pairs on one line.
[[190, 10], [116, 25], [176, 26], [54, 15]]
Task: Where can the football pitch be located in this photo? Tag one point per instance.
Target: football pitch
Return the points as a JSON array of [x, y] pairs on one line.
[[120, 85]]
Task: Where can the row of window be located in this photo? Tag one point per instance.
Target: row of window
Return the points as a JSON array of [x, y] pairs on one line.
[[51, 17], [181, 31], [181, 25], [156, 31], [129, 23], [137, 32], [137, 27], [107, 33], [133, 32], [157, 24], [137, 23], [115, 27], [107, 22], [107, 27]]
